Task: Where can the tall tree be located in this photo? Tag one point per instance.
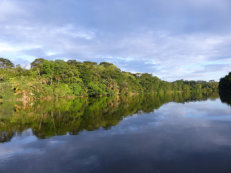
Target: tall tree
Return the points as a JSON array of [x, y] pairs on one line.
[[5, 63], [36, 64]]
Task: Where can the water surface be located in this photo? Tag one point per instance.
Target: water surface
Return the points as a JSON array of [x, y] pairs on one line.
[[154, 134]]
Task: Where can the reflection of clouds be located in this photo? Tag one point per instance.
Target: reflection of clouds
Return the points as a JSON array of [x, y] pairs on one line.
[[176, 135], [193, 114], [207, 111], [23, 144], [205, 122], [18, 144]]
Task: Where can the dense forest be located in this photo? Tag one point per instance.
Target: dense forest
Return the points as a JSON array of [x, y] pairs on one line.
[[225, 84], [225, 89], [49, 79]]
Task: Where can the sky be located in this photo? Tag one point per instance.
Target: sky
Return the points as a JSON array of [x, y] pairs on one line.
[[171, 39]]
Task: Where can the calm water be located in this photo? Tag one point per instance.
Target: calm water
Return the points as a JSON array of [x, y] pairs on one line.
[[153, 134]]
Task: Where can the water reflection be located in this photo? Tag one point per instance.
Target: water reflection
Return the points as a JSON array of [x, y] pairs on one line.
[[174, 138], [59, 117], [225, 98]]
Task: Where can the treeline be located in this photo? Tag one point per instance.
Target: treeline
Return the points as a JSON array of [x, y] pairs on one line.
[[225, 84], [225, 89], [60, 78]]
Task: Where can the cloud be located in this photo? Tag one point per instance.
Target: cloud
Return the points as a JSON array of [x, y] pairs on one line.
[[171, 40], [9, 10]]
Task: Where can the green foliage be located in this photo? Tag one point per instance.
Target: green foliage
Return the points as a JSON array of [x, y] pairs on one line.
[[77, 89], [37, 63], [6, 91], [225, 84], [225, 89], [62, 90], [58, 78], [5, 63], [43, 91]]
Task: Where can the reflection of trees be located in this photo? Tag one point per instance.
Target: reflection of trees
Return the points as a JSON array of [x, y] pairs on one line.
[[6, 136], [72, 116], [225, 98]]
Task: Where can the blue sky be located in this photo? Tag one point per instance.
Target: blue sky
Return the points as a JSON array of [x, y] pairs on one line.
[[172, 39]]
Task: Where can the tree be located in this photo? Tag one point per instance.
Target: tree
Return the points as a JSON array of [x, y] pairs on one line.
[[36, 64], [5, 63], [48, 78], [225, 84]]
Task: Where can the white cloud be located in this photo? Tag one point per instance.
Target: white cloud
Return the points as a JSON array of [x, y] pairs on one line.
[[171, 40], [10, 10]]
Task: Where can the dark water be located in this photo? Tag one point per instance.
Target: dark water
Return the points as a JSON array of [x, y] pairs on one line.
[[153, 134]]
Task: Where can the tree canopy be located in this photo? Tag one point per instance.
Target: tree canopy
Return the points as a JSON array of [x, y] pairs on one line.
[[48, 78], [5, 63], [225, 89]]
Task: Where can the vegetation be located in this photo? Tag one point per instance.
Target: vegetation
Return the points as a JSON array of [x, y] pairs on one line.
[[54, 79], [225, 84], [62, 116], [225, 89]]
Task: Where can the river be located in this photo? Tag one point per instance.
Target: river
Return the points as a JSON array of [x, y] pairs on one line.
[[171, 133]]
